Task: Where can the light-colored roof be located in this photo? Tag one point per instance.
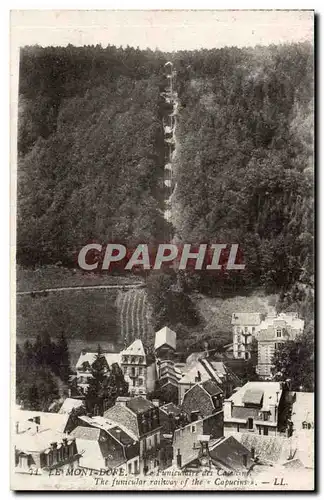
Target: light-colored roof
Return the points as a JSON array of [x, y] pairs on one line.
[[107, 424], [37, 441], [91, 453], [82, 432], [269, 390], [70, 404], [135, 349], [282, 320], [246, 319], [165, 336], [54, 421], [303, 409], [111, 358]]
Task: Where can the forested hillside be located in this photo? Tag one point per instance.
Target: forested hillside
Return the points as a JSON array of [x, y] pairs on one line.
[[244, 167], [91, 157], [91, 149]]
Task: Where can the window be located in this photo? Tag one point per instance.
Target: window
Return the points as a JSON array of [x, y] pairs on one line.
[[140, 381], [265, 430], [250, 423], [125, 370], [125, 359], [246, 329], [140, 370], [244, 460], [136, 470], [279, 332], [238, 428], [253, 329], [246, 355], [133, 359], [133, 371], [129, 468], [193, 429]]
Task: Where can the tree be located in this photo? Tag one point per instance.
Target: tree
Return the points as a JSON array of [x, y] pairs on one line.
[[294, 362], [63, 359], [116, 386], [97, 389]]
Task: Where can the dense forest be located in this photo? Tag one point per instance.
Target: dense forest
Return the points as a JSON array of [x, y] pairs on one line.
[[91, 150], [91, 158], [245, 159]]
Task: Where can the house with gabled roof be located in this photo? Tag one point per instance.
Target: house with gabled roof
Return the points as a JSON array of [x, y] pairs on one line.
[[103, 444], [141, 418], [134, 366], [42, 443], [165, 343], [254, 408]]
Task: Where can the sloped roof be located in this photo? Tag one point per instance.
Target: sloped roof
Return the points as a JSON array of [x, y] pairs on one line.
[[81, 432], [135, 349], [32, 440], [70, 404], [54, 421], [165, 336], [171, 408], [246, 319], [253, 396], [89, 357], [108, 425], [275, 449], [271, 393], [230, 452], [211, 387], [139, 405]]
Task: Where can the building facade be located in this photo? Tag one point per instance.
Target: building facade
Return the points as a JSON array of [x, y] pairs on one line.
[[140, 417], [245, 327], [134, 366], [272, 332], [42, 445], [254, 408]]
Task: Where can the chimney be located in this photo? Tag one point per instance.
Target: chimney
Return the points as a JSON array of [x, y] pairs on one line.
[[156, 402], [54, 446], [122, 400]]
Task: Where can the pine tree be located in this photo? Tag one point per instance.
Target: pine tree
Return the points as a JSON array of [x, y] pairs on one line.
[[63, 359], [97, 390]]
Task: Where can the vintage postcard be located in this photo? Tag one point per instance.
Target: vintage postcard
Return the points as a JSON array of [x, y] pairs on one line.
[[162, 247]]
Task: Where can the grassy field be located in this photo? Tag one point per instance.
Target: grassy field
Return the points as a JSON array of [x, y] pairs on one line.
[[114, 317], [110, 317]]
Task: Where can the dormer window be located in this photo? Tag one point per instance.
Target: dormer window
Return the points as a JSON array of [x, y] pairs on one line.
[[279, 332], [125, 359]]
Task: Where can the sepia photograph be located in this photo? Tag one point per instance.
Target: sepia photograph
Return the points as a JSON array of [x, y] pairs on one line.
[[162, 250]]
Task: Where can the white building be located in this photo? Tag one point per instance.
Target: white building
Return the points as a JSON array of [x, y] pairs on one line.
[[245, 326], [273, 331], [134, 366], [254, 408]]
